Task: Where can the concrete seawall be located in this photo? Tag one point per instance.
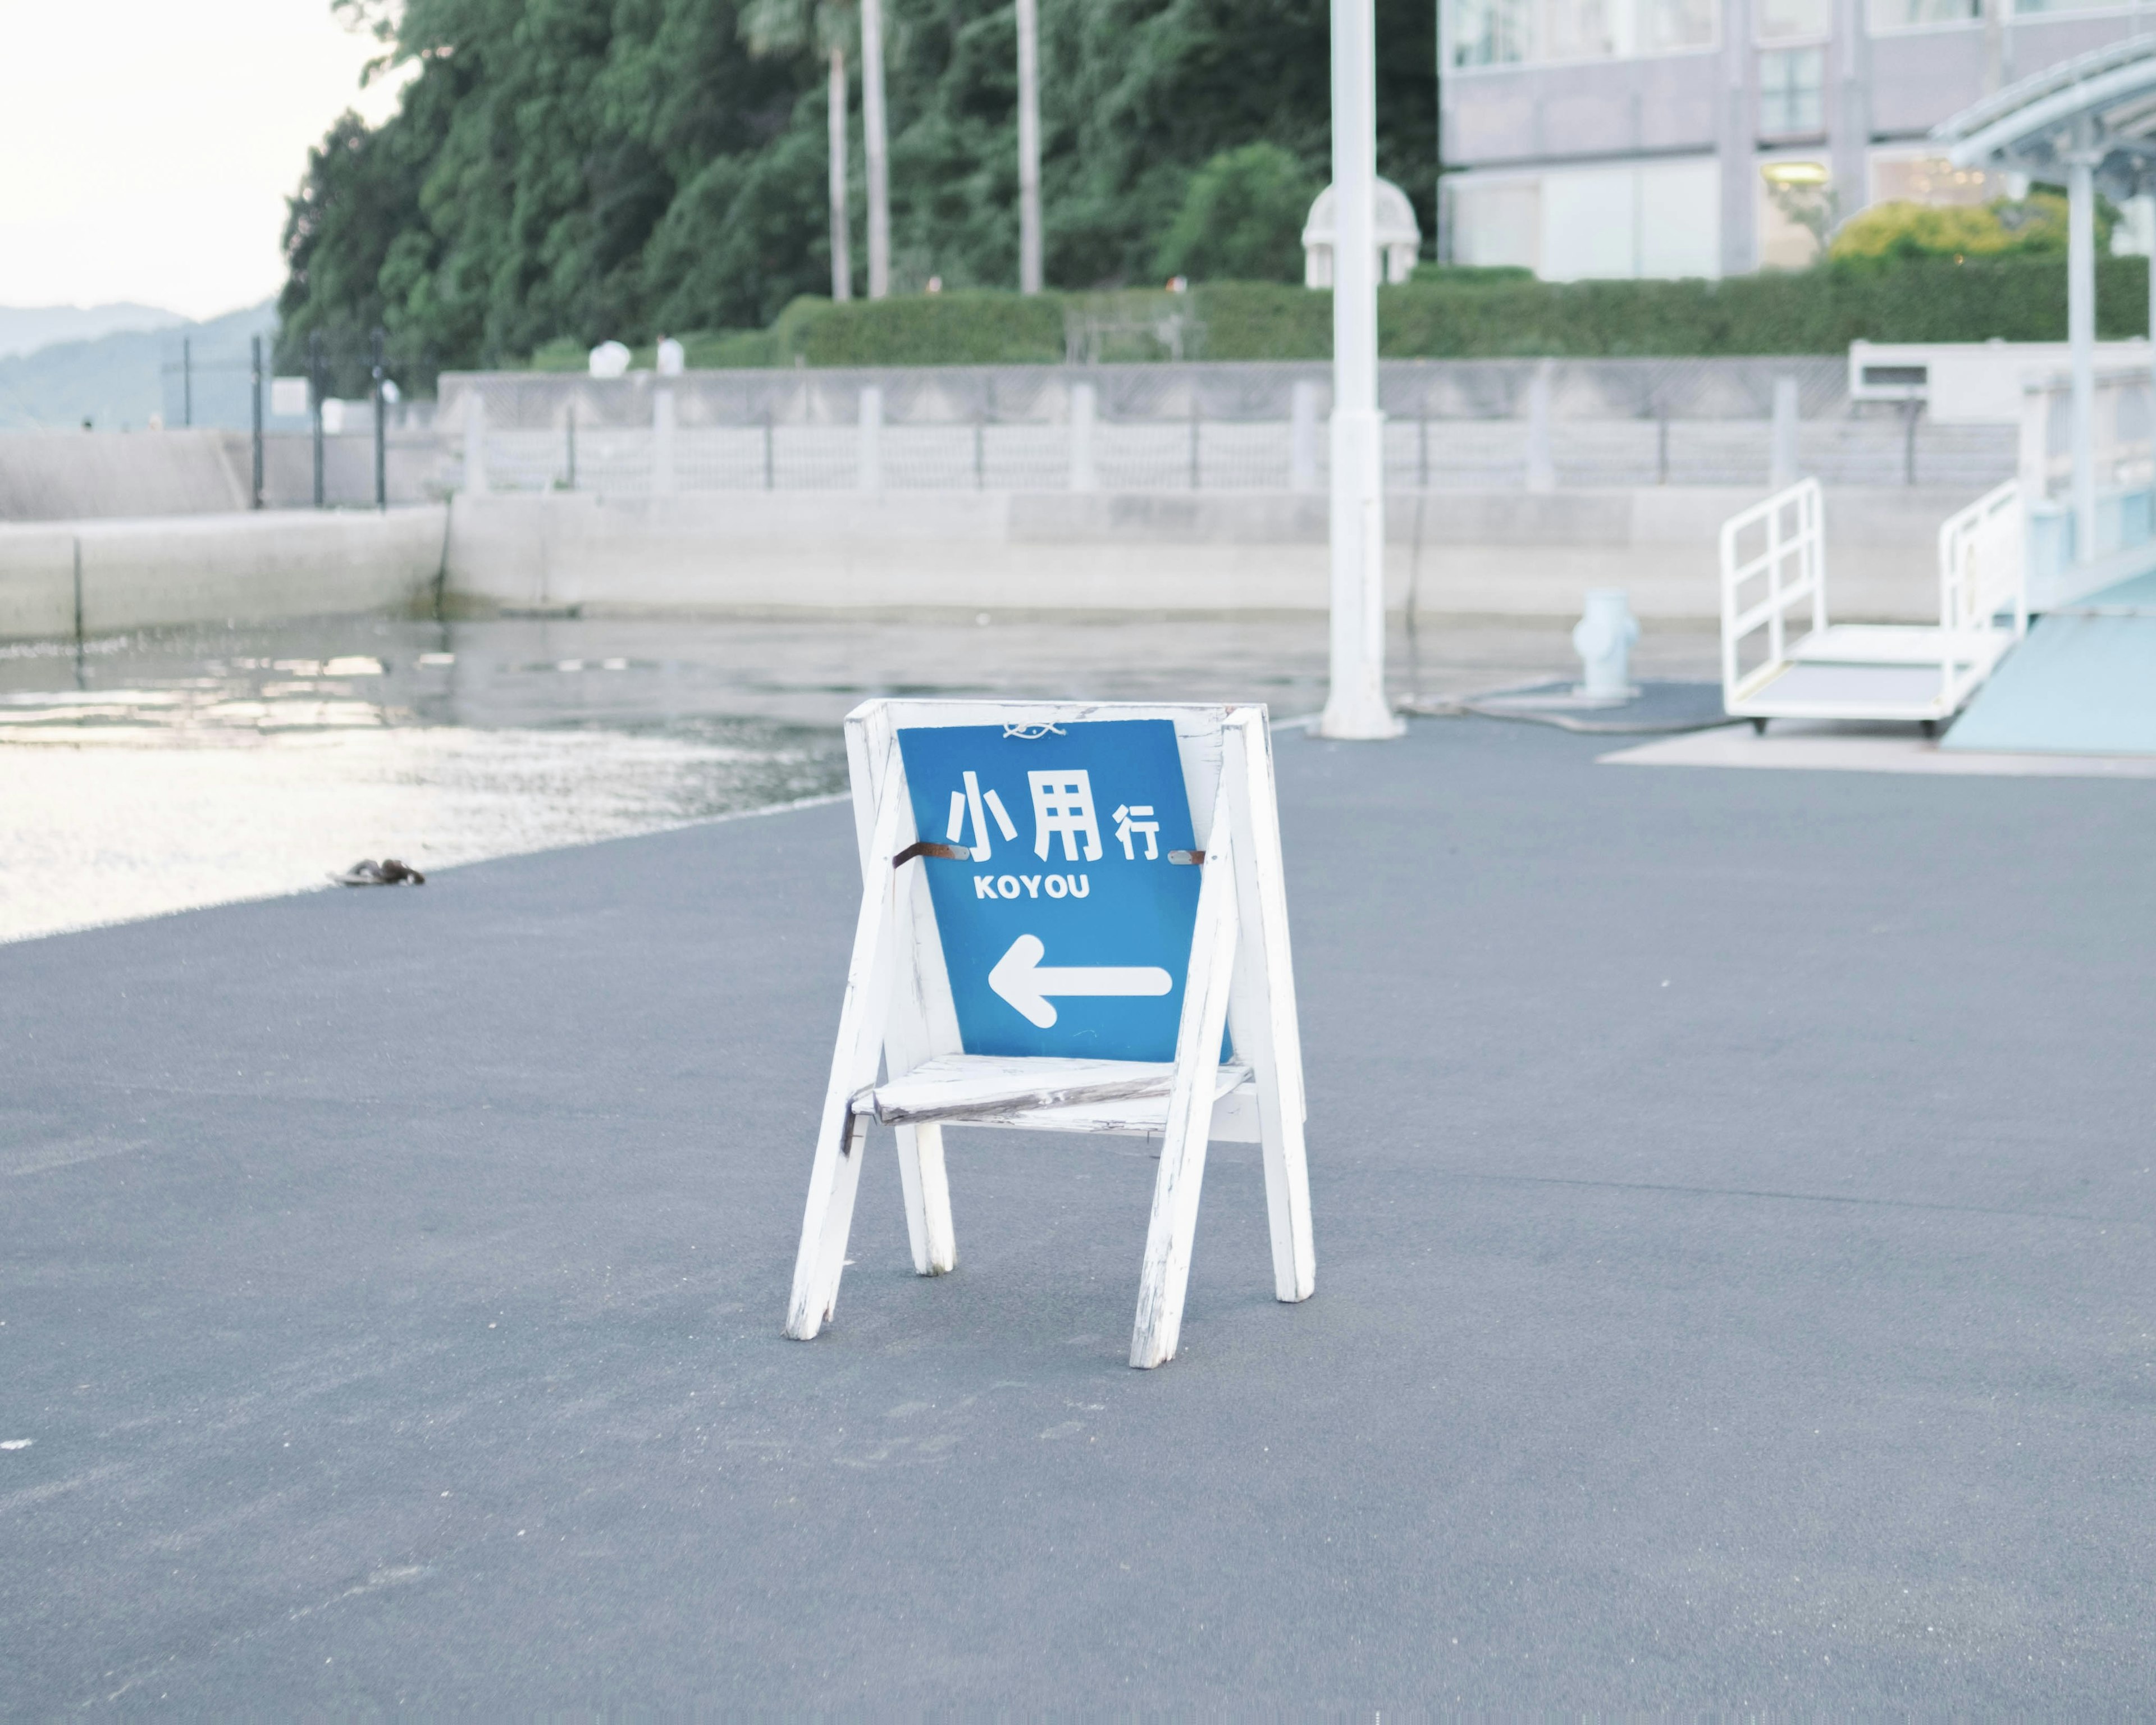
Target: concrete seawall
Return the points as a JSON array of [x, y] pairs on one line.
[[109, 575], [1496, 552]]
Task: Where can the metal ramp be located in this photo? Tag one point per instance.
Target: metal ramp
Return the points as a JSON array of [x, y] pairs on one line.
[[1783, 658], [2083, 683]]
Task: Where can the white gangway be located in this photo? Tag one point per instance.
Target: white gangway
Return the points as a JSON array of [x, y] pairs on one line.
[[1783, 658]]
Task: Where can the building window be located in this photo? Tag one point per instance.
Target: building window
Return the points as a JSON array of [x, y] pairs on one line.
[[1659, 219], [1490, 33], [1915, 14], [1667, 26], [1791, 20], [1931, 179], [1509, 32], [1796, 209], [1789, 83]]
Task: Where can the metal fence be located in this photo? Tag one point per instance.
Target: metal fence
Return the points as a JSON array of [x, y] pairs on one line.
[[1227, 426]]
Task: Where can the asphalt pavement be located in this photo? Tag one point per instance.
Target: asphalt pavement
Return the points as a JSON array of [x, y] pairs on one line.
[[1732, 1196]]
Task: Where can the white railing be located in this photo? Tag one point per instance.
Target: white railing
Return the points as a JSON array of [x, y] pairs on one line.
[[1865, 670], [1983, 563], [1793, 565]]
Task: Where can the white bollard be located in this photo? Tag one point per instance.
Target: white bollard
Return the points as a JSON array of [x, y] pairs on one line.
[[870, 468], [1302, 438], [475, 443], [1782, 456], [1085, 406], [1603, 639], [662, 443], [1541, 465]]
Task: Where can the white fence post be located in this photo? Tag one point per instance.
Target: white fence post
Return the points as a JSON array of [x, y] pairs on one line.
[[1302, 437], [1541, 466], [871, 468], [1084, 404], [662, 442], [474, 442], [1782, 454]]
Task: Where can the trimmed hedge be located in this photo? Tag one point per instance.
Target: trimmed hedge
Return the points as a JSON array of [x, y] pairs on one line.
[[1449, 314]]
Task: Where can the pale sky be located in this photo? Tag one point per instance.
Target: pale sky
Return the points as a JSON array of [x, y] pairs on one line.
[[147, 146]]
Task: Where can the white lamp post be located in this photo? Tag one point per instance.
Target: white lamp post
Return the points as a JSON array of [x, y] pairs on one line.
[[1029, 148], [1356, 707], [872, 133]]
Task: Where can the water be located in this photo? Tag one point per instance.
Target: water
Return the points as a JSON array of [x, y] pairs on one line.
[[165, 770]]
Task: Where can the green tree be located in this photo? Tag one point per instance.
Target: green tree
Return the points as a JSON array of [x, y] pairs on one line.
[[587, 169], [1242, 219]]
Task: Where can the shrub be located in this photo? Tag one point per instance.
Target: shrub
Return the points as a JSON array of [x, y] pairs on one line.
[[968, 328], [1447, 314]]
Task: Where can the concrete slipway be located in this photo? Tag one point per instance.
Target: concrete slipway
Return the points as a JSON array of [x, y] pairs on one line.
[[1733, 1205]]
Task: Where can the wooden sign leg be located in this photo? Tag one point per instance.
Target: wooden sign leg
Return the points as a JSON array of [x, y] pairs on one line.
[[1165, 1275], [1262, 1004], [927, 1190], [842, 1137]]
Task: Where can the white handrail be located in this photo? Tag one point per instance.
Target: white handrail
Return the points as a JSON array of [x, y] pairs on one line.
[[1794, 523], [1982, 571]]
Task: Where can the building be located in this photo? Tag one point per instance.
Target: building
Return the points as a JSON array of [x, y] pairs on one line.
[[1712, 137]]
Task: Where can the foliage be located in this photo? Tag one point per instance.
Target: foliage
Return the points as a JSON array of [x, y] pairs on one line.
[[2030, 227], [1242, 219], [595, 169], [1458, 314]]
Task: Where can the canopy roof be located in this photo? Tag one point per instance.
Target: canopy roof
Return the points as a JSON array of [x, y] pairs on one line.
[[2103, 102]]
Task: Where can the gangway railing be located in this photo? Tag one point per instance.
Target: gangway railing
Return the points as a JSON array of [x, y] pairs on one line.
[[1920, 672]]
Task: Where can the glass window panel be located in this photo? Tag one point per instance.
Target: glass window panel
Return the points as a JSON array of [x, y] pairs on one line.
[[1931, 179], [1781, 20], [1576, 30], [1490, 33], [1911, 15], [1789, 85], [1500, 223], [1667, 25]]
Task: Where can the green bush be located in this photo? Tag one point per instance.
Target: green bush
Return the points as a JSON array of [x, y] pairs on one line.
[[968, 328], [1447, 314], [1241, 218]]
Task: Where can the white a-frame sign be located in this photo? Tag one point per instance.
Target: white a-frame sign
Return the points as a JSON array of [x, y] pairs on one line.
[[1072, 919]]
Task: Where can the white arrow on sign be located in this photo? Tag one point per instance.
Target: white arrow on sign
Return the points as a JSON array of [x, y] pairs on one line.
[[1021, 978]]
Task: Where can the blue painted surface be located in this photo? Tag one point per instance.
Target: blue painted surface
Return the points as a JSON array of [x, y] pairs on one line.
[[2078, 684], [2138, 593], [1049, 818]]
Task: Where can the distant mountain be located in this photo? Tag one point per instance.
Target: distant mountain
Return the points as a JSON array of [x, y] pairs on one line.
[[116, 382], [24, 329]]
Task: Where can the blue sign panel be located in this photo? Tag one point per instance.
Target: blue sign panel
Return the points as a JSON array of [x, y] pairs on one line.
[[1067, 929]]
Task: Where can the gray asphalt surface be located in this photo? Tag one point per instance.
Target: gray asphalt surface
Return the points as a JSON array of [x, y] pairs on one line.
[[1733, 1209]]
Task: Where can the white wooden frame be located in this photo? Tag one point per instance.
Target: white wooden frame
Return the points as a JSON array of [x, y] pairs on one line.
[[898, 1016], [1983, 563]]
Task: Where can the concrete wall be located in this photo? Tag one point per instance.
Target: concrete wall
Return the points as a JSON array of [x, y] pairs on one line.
[[68, 475], [137, 574], [1493, 552], [77, 475]]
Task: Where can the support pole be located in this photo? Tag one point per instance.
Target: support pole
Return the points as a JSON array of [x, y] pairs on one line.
[[1084, 410], [255, 397], [868, 467], [380, 371], [662, 443], [842, 261], [2081, 337], [186, 381], [872, 128], [1029, 147], [1356, 707], [1782, 453], [315, 397]]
